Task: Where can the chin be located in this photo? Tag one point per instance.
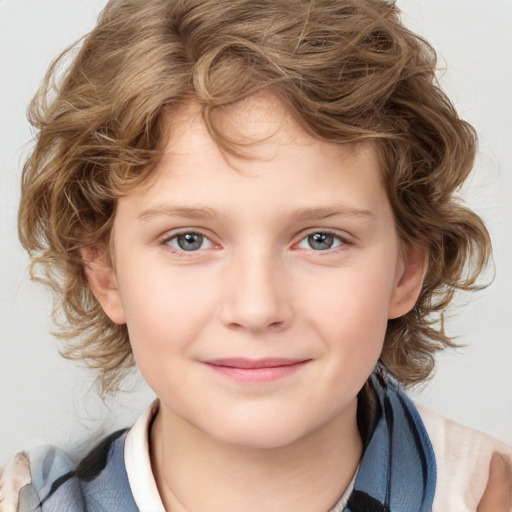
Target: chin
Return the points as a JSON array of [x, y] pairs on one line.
[[269, 438], [259, 431]]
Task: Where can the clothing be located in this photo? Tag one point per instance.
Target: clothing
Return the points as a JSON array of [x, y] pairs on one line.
[[463, 457], [397, 473]]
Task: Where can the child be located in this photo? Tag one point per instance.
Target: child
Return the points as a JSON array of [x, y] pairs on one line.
[[254, 202]]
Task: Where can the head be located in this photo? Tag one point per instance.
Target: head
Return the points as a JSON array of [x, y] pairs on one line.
[[343, 72]]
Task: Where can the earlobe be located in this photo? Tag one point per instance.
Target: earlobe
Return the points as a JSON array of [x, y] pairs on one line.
[[409, 281], [103, 284]]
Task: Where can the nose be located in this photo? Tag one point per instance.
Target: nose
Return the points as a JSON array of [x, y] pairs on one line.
[[256, 294]]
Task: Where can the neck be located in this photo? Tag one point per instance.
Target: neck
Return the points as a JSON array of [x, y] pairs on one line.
[[194, 472]]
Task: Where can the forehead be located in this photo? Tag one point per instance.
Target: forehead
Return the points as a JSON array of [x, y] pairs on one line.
[[284, 169], [256, 130]]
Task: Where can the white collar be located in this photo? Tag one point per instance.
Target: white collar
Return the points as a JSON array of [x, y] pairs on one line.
[[138, 463]]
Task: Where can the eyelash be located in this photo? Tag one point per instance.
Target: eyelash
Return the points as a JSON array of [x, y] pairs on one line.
[[182, 253]]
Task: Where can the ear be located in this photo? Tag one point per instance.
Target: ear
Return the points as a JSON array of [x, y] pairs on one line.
[[410, 273], [102, 281]]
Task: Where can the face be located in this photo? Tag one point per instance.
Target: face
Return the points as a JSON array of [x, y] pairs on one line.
[[256, 292]]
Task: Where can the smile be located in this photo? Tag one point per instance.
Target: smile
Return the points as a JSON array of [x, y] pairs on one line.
[[256, 370]]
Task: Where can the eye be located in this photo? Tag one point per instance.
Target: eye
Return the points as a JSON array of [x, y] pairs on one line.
[[189, 242], [321, 241]]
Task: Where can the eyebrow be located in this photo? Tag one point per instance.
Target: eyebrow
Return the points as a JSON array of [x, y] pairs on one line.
[[339, 211], [205, 213], [195, 213]]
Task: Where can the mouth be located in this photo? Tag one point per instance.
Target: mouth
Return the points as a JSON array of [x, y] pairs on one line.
[[256, 370]]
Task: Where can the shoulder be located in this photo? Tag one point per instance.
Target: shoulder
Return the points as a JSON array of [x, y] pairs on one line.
[[29, 476], [47, 476], [15, 480], [469, 463]]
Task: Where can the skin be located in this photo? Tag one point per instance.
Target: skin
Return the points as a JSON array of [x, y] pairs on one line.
[[256, 288], [498, 492]]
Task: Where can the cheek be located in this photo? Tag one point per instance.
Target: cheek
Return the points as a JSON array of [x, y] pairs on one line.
[[350, 312], [164, 313], [353, 298], [162, 333]]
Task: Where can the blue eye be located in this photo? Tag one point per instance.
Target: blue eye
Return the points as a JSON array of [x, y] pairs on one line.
[[320, 241], [189, 242]]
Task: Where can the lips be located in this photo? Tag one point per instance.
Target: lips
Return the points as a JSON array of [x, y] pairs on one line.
[[254, 363], [256, 370]]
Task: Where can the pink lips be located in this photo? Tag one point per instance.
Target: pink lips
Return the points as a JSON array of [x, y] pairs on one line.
[[256, 370]]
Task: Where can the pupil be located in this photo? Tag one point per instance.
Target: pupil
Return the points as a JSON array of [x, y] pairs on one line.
[[320, 241], [190, 241]]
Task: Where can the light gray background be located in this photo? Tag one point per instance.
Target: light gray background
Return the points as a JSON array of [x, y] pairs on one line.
[[44, 399]]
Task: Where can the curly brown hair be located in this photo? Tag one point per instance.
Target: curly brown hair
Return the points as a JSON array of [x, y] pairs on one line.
[[346, 70]]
